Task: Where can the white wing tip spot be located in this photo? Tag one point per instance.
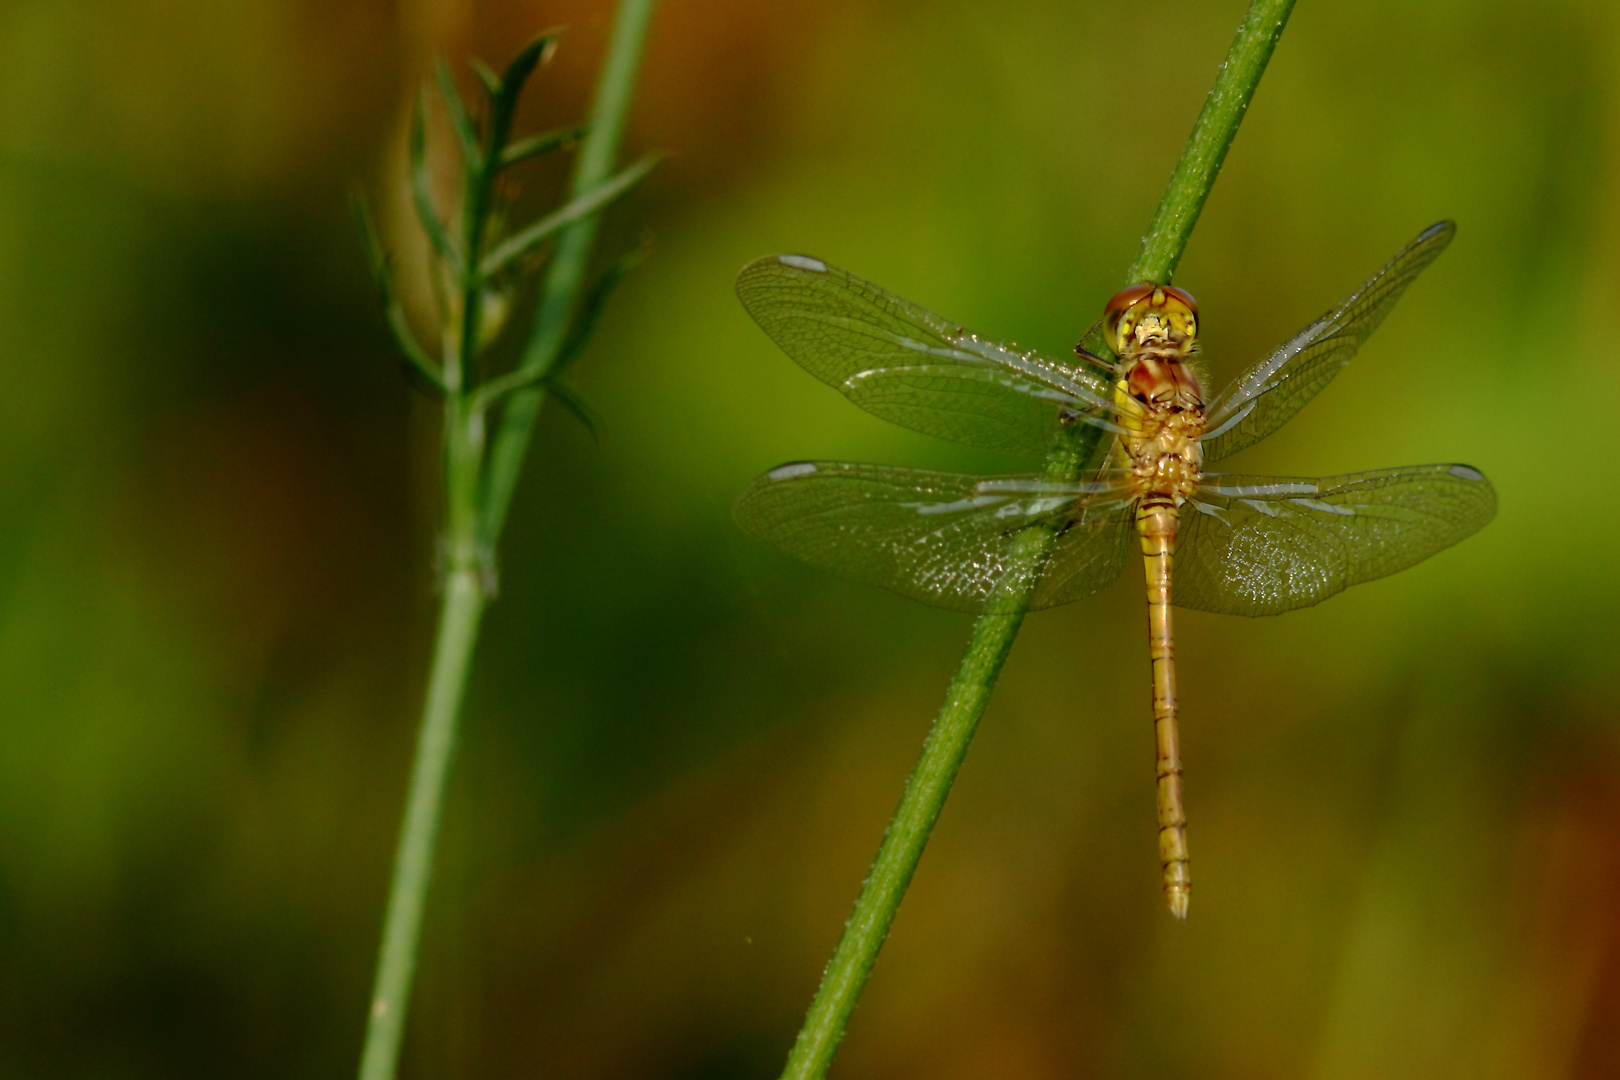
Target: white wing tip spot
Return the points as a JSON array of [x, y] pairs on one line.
[[803, 262], [791, 470], [1463, 472]]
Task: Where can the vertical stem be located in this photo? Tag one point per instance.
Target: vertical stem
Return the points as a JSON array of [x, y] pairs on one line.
[[470, 534], [1211, 137], [994, 633], [413, 862], [459, 616], [566, 273]]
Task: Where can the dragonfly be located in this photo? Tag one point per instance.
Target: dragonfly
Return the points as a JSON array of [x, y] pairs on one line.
[[1125, 438]]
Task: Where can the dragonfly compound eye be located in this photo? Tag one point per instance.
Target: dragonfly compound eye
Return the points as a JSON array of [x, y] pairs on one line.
[[1119, 319], [1180, 296]]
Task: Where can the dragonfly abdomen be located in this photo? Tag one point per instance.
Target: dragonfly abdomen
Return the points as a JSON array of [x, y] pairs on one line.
[[1156, 520]]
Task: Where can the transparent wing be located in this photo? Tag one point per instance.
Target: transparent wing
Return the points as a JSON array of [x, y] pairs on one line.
[[1262, 545], [1267, 396], [913, 368], [952, 541]]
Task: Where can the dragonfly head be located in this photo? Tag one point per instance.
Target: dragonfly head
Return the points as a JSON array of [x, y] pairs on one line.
[[1147, 315]]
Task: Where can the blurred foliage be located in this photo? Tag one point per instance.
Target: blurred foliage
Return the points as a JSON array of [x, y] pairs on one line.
[[217, 500]]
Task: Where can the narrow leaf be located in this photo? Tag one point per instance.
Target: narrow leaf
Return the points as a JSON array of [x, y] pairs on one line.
[[466, 133], [590, 310], [578, 334], [537, 52], [503, 95], [544, 143], [419, 367], [520, 244], [422, 191], [491, 81], [370, 242], [570, 400]]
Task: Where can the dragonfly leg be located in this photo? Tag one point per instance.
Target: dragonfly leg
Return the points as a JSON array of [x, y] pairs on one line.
[[1156, 520]]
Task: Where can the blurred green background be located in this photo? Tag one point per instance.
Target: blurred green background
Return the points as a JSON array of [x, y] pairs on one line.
[[218, 504]]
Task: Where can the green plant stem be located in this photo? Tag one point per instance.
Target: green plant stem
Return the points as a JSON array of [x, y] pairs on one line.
[[902, 846], [1211, 137], [469, 538], [994, 633], [465, 596], [566, 273], [413, 862]]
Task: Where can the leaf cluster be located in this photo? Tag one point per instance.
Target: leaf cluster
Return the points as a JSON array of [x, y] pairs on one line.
[[480, 267]]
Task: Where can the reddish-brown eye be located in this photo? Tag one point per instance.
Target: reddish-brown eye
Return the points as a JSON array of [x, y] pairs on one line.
[[1126, 297], [1184, 296]]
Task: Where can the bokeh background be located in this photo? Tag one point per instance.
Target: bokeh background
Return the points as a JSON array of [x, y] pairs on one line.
[[217, 529]]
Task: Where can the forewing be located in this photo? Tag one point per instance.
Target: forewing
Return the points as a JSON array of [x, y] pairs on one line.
[[914, 368], [966, 543], [1267, 396], [1262, 545]]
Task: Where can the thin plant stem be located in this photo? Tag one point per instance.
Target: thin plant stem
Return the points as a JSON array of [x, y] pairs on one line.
[[435, 746], [994, 633], [1211, 137], [903, 844], [469, 540], [564, 276]]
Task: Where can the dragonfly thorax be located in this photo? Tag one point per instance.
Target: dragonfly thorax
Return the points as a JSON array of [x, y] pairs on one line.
[[1162, 450], [1161, 410], [1163, 384]]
